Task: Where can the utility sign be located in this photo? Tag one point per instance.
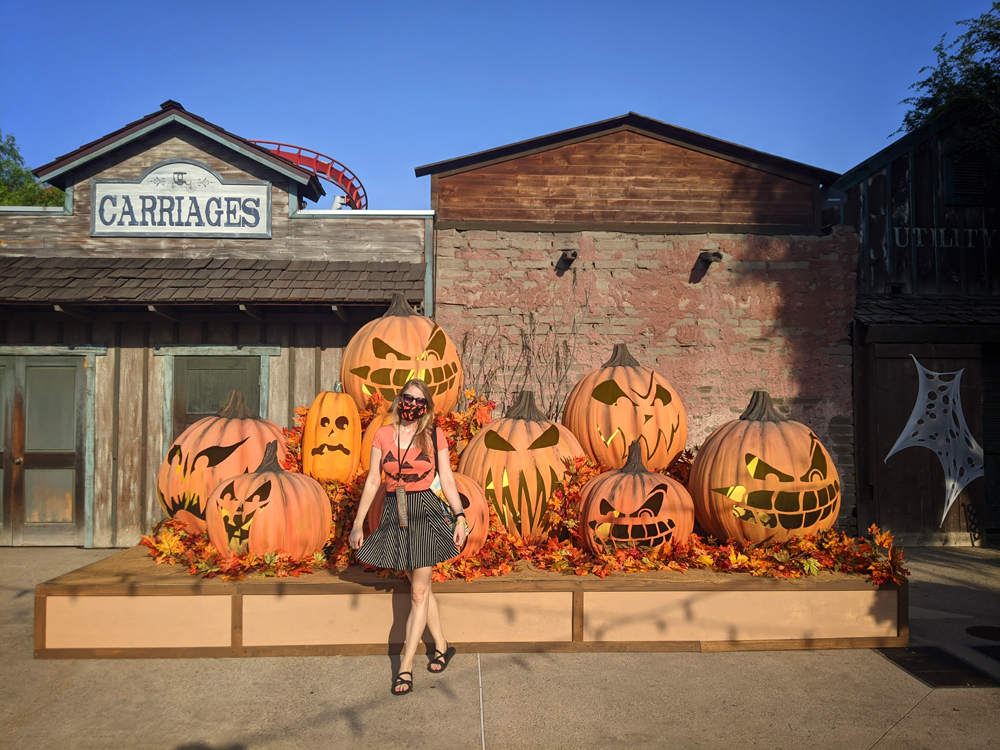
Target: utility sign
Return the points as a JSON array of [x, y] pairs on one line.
[[180, 198]]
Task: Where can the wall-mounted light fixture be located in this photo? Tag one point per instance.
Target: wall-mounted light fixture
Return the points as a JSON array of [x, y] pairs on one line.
[[705, 259]]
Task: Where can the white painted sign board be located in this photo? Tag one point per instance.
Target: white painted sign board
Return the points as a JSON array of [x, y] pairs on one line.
[[180, 198]]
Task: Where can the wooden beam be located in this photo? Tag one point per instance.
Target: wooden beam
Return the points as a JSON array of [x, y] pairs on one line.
[[167, 313], [75, 312], [253, 311], [340, 312]]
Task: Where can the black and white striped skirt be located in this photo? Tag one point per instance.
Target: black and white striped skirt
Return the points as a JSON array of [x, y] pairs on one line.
[[427, 540]]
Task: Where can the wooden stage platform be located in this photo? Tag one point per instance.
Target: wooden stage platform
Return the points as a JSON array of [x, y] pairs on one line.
[[126, 606]]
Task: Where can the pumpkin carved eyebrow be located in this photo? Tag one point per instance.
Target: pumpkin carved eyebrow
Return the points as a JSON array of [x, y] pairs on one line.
[[546, 440], [662, 395], [655, 501], [817, 469], [216, 454], [382, 350], [494, 442], [609, 392], [437, 343]]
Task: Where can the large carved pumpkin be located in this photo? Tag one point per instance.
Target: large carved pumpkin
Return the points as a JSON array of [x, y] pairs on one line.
[[763, 477], [623, 401], [270, 510], [331, 439], [210, 450], [477, 514], [633, 507], [389, 352], [376, 424], [518, 460]]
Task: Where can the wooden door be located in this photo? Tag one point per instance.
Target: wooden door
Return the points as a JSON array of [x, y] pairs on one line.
[[908, 489], [201, 385], [43, 439]]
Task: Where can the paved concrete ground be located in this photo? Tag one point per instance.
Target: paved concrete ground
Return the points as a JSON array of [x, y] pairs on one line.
[[819, 699]]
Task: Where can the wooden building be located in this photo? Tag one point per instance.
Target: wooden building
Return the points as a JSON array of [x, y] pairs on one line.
[[705, 257], [182, 265], [928, 287]]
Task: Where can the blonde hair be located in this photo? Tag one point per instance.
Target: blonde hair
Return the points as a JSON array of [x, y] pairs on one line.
[[426, 423]]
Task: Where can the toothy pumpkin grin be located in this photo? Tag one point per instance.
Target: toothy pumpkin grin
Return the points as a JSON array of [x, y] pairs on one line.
[[631, 527]]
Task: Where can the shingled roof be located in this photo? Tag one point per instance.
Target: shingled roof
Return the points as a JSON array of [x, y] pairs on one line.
[[943, 310], [203, 280]]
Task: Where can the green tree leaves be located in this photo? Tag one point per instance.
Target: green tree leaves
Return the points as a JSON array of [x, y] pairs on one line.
[[17, 185]]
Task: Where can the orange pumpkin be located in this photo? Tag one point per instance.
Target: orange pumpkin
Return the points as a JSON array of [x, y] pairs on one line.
[[477, 514], [331, 439], [270, 510], [633, 507], [401, 345], [764, 477], [623, 401], [210, 450], [377, 423], [518, 460]]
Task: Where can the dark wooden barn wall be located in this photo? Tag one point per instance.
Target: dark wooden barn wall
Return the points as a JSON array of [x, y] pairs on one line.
[[914, 241], [620, 179], [129, 383]]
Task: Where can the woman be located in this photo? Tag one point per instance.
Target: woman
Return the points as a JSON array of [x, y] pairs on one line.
[[413, 533]]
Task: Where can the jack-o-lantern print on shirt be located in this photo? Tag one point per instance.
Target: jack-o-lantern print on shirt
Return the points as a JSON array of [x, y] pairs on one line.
[[387, 353], [517, 461], [623, 401], [764, 477]]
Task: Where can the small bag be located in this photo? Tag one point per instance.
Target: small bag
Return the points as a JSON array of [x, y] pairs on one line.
[[436, 484]]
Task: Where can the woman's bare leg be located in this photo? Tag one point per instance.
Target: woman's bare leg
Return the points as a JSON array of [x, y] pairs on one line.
[[434, 625], [416, 622]]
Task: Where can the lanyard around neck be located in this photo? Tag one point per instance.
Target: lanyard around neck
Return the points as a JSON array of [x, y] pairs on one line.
[[399, 474]]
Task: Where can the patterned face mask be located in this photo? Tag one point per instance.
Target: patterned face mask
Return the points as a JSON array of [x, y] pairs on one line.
[[411, 409]]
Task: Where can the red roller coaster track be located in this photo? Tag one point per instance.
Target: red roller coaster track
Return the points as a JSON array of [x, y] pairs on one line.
[[322, 166]]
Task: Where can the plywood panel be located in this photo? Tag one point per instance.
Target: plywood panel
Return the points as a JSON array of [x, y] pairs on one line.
[[333, 339], [137, 621], [624, 178], [305, 353], [155, 450], [738, 615], [278, 410], [515, 617], [131, 501]]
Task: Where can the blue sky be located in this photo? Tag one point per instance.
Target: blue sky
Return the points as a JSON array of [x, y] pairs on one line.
[[385, 87]]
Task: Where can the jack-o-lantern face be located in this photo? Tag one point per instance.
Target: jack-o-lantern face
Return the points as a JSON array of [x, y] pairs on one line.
[[518, 460], [622, 402], [389, 352], [270, 510], [786, 502], [764, 476], [209, 451], [634, 508], [331, 438]]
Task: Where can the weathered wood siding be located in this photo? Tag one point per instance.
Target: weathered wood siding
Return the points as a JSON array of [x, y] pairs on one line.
[[625, 179], [129, 394], [355, 237]]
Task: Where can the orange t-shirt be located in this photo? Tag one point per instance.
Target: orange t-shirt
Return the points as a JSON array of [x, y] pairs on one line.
[[417, 467]]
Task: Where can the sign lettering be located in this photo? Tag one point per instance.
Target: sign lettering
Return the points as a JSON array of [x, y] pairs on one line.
[[180, 198]]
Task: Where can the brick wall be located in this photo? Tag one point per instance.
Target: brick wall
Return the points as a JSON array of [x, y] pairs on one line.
[[774, 313]]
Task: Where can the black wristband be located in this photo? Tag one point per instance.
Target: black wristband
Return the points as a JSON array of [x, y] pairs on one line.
[[460, 515]]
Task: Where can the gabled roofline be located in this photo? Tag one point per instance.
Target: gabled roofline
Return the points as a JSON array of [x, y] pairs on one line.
[[636, 123], [893, 151], [57, 171]]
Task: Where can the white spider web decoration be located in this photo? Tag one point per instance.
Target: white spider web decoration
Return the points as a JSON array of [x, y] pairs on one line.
[[937, 422]]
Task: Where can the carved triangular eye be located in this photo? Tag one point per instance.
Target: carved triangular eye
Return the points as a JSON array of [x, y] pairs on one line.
[[609, 392], [817, 468], [546, 440], [655, 501], [382, 350], [760, 470], [261, 494], [662, 395], [496, 443], [606, 507], [438, 343]]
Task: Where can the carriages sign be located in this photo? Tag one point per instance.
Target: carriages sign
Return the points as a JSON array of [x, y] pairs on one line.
[[180, 198]]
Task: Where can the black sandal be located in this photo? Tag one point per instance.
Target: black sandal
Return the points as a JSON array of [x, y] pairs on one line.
[[400, 680], [442, 658]]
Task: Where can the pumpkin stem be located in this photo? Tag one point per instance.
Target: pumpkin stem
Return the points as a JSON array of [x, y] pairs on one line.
[[399, 307], [338, 387], [621, 357], [236, 407], [526, 408], [270, 461], [634, 464], [761, 409]]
